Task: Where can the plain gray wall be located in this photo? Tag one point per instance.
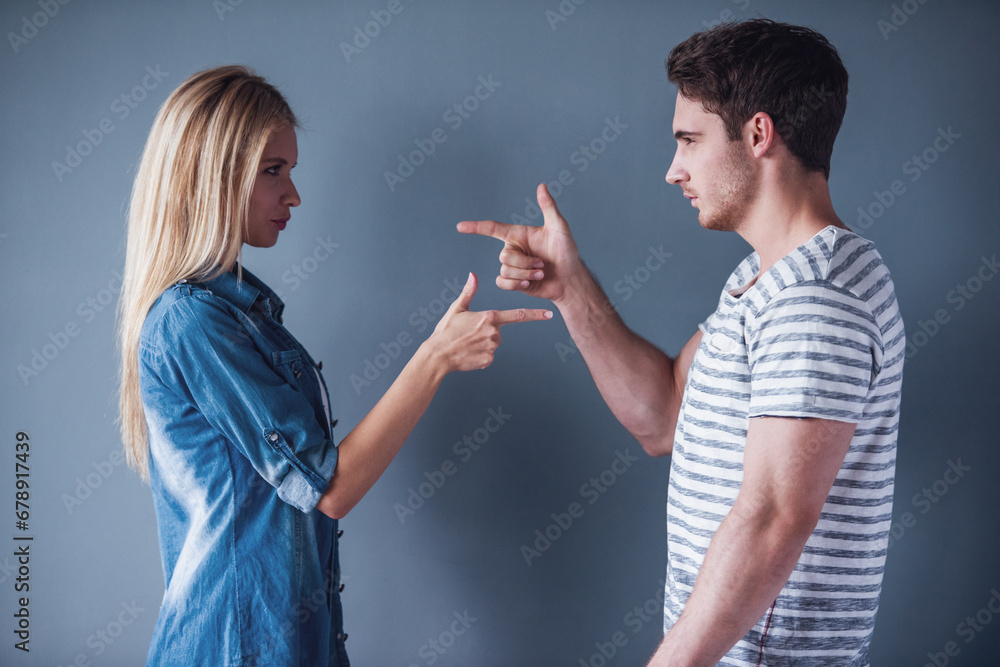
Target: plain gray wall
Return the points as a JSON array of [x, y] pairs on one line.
[[61, 244]]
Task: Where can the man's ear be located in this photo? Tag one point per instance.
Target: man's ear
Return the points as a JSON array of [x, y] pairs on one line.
[[760, 133]]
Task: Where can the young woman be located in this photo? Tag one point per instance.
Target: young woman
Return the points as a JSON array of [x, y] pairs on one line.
[[224, 412]]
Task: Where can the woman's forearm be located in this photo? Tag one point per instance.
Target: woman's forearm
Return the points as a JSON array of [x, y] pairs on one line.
[[371, 446]]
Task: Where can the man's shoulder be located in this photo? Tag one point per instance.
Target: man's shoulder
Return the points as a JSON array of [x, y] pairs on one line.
[[835, 260]]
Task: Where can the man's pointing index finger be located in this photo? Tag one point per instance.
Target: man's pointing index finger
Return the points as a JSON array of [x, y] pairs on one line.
[[498, 230]]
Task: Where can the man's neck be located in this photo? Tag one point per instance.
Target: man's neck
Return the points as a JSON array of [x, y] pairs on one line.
[[786, 215]]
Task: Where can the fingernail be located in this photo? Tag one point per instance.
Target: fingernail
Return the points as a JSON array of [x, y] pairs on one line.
[[538, 264], [537, 275], [548, 314], [524, 283]]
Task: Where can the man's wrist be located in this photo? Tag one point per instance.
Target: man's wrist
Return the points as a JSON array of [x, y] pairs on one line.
[[576, 288]]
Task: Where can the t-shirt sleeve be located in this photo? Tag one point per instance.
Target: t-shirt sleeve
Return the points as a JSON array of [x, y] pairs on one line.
[[208, 356], [814, 351]]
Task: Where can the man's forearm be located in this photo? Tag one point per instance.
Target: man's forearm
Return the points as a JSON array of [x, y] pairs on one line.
[[635, 378], [747, 564]]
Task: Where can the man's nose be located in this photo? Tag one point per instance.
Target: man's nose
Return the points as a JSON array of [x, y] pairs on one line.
[[676, 174]]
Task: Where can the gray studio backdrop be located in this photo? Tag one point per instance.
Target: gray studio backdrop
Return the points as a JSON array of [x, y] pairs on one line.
[[417, 115]]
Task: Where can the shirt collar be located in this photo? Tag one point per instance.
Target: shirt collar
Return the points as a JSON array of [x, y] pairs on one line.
[[245, 293]]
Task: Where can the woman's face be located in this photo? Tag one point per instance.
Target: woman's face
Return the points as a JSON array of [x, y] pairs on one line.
[[273, 192]]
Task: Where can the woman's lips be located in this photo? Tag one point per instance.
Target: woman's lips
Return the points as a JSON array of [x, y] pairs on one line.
[[281, 223]]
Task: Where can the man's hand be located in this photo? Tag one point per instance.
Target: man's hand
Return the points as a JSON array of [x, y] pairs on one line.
[[539, 261]]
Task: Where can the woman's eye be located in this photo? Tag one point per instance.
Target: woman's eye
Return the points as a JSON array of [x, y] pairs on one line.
[[272, 170]]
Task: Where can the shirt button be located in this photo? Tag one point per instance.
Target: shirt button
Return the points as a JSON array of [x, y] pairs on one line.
[[319, 365], [333, 422], [345, 636], [340, 588], [340, 533], [273, 437], [296, 372]]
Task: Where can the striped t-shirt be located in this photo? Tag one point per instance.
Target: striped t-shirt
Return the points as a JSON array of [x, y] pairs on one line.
[[817, 335]]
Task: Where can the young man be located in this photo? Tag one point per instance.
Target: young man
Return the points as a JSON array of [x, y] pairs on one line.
[[781, 412]]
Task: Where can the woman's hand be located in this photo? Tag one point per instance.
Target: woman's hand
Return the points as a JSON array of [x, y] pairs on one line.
[[466, 340]]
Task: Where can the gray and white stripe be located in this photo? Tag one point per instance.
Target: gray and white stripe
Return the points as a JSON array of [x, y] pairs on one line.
[[817, 335]]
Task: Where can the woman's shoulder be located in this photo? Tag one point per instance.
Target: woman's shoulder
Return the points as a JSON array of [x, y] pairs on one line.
[[186, 311]]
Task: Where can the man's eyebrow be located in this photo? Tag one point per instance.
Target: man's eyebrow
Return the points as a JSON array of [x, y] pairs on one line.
[[685, 134]]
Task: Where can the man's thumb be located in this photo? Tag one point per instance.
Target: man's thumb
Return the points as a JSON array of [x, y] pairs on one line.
[[465, 298], [553, 218]]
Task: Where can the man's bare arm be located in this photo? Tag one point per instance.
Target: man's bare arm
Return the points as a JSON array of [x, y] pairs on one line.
[[640, 383], [789, 467]]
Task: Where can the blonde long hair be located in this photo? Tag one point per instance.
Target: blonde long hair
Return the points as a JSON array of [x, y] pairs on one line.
[[188, 211]]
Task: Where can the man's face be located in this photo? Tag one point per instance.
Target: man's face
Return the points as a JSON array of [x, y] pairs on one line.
[[715, 173]]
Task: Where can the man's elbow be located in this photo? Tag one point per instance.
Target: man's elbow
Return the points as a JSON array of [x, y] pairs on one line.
[[657, 446], [783, 525]]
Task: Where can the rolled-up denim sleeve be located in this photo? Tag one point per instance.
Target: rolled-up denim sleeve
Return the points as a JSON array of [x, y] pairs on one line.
[[209, 356]]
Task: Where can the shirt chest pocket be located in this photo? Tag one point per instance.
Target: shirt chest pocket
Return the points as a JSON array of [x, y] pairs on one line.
[[290, 365], [723, 358]]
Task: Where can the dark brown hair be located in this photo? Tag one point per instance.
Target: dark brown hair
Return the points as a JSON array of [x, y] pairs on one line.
[[791, 73]]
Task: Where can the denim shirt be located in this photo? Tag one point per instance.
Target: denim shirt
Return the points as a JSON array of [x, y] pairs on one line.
[[241, 450]]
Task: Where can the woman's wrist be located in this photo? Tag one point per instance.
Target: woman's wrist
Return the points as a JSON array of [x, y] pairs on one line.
[[432, 359]]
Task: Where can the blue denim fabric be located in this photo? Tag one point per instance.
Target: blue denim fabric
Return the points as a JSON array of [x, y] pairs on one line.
[[240, 451]]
